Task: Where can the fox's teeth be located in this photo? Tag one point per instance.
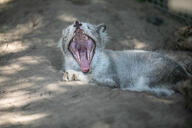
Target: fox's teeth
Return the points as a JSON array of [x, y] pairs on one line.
[[86, 38], [77, 56], [88, 55], [91, 53]]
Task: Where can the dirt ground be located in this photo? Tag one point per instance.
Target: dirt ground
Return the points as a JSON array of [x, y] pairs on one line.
[[32, 94]]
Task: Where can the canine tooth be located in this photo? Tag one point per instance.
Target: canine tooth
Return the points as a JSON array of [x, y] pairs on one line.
[[88, 56], [91, 52], [78, 57]]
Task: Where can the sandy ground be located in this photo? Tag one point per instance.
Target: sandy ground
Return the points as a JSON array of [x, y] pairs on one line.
[[32, 94]]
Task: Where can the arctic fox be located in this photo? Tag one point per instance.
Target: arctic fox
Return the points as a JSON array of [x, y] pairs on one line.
[[86, 59]]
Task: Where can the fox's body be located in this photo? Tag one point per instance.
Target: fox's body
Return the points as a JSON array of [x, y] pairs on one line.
[[129, 69]]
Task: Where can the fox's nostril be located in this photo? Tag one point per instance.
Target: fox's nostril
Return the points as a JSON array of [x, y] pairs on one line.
[[77, 24]]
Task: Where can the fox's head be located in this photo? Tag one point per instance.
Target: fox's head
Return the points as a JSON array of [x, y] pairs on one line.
[[80, 41]]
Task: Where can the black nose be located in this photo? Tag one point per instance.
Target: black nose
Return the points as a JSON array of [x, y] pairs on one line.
[[77, 24]]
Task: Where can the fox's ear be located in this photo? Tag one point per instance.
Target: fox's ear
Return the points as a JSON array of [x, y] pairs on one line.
[[101, 28]]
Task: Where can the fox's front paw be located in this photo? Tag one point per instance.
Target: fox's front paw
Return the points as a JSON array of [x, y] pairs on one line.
[[67, 76], [71, 75]]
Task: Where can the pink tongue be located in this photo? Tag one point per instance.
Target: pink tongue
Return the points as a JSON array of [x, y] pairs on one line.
[[84, 62]]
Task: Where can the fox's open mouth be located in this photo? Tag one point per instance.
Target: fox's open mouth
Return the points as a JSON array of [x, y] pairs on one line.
[[82, 47]]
